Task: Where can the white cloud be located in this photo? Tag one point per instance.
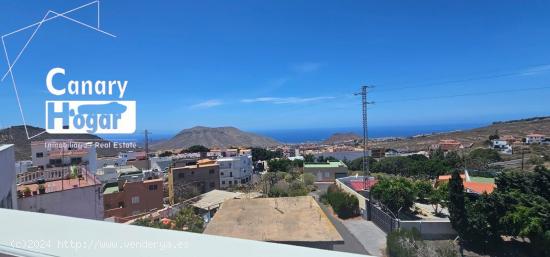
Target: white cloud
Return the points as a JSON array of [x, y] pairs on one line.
[[207, 104], [286, 100], [306, 67], [535, 70]]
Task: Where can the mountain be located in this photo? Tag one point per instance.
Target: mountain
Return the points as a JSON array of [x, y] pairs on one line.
[[212, 137], [342, 137], [16, 135], [476, 136]]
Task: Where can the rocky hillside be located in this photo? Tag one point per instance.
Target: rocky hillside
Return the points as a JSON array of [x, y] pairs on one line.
[[214, 137], [342, 137], [16, 135], [516, 128]]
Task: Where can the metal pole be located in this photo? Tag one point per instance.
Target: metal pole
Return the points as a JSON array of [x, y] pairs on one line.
[[364, 103]]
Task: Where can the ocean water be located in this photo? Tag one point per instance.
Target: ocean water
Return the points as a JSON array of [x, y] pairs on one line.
[[320, 134], [294, 136]]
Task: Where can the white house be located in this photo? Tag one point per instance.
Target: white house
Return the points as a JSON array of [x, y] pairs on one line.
[[534, 138], [57, 153], [235, 170], [502, 146], [78, 197]]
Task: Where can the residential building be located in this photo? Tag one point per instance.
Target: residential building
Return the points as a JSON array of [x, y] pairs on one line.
[[8, 195], [110, 161], [208, 203], [127, 197], [501, 145], [161, 163], [288, 220], [474, 185], [191, 180], [326, 172], [236, 170], [534, 138], [59, 153], [111, 173], [448, 145], [132, 155], [79, 197], [391, 153]]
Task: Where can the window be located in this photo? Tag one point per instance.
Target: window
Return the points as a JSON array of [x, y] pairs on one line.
[[231, 174], [221, 173], [39, 155], [181, 175], [135, 199], [223, 182], [212, 184], [153, 187], [211, 171], [230, 182]]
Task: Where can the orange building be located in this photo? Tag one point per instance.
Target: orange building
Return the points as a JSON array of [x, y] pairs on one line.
[[129, 198]]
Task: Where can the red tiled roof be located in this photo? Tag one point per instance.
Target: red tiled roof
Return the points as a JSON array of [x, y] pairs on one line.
[[360, 185], [479, 188]]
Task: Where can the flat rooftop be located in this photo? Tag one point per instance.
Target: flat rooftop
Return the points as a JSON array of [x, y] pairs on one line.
[[284, 219], [62, 185], [324, 165], [214, 198]]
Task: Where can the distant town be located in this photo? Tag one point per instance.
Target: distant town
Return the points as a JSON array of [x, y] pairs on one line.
[[321, 195]]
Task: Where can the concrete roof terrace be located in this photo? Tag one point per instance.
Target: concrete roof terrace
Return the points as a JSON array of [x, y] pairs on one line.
[[285, 219]]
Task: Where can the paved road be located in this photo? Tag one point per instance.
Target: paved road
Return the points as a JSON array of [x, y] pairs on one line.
[[369, 235], [351, 244]]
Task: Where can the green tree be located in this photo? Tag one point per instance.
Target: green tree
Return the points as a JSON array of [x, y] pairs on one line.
[[197, 149], [261, 154], [423, 189], [486, 155], [457, 208], [309, 158], [165, 154], [440, 198], [187, 220], [279, 165], [395, 193]]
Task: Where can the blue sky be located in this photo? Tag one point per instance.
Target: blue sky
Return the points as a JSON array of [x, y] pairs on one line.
[[264, 65]]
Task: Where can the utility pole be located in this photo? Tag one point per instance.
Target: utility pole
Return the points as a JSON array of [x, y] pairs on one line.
[[364, 103], [366, 173], [146, 134], [522, 157]]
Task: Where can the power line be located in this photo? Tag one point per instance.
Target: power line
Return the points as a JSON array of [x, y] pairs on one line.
[[463, 95], [526, 71]]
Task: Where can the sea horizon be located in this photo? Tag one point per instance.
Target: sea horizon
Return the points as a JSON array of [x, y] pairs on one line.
[[305, 135]]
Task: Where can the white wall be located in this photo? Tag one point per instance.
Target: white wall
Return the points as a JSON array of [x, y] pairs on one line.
[[239, 166], [7, 176], [84, 202]]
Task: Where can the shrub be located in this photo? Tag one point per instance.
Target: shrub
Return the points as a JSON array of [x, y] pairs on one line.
[[344, 204], [408, 243], [309, 179], [402, 243], [280, 189]]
